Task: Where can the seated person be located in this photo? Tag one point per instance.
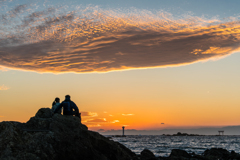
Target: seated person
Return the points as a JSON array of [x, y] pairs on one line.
[[68, 107], [55, 104]]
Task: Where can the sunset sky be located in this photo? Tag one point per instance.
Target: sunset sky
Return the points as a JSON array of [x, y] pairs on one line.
[[143, 64]]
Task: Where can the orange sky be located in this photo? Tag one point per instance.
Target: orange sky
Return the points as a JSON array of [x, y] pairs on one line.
[[202, 94]]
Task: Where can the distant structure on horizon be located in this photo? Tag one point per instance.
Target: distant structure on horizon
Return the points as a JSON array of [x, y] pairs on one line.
[[123, 130], [221, 132]]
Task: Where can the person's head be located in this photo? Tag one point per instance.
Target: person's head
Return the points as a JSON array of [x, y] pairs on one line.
[[57, 100], [67, 97]]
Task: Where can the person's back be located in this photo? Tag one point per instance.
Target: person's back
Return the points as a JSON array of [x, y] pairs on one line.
[[68, 107]]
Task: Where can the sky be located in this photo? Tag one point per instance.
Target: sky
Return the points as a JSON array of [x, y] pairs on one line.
[[145, 65]]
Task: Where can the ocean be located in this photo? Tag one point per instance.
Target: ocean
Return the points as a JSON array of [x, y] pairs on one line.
[[162, 145]]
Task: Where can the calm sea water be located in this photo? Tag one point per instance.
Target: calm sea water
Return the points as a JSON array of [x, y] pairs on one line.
[[162, 145]]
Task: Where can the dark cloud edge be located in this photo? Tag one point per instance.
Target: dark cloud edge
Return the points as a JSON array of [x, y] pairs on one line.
[[215, 58]]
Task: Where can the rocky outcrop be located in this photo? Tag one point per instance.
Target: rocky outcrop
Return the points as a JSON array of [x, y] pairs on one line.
[[221, 154], [176, 153], [209, 154], [147, 155], [57, 137]]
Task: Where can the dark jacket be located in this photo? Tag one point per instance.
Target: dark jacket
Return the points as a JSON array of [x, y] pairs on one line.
[[68, 107]]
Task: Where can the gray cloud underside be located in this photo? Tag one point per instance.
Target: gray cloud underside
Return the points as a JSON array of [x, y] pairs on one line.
[[101, 43]]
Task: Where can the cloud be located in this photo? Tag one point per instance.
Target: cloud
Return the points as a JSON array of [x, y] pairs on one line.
[[127, 114], [162, 123], [100, 120], [18, 9], [3, 87], [97, 120], [91, 114], [94, 125], [115, 121], [91, 39], [3, 69]]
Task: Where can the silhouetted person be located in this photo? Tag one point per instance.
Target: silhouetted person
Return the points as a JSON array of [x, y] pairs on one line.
[[55, 104], [68, 107]]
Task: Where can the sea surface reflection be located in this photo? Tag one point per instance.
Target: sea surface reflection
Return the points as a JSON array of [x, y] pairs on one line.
[[162, 145]]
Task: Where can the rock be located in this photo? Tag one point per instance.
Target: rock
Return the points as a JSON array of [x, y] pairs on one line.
[[44, 113], [216, 153], [179, 154], [147, 155], [234, 155], [57, 137]]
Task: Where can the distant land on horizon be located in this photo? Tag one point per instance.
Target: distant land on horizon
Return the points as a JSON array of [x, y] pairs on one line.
[[228, 130]]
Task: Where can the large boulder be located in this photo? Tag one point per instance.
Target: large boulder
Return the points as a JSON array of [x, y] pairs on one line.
[[179, 154], [234, 155], [147, 155], [44, 113], [216, 153], [57, 137]]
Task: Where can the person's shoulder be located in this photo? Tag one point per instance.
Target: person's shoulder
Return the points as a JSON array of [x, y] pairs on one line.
[[72, 102], [61, 103]]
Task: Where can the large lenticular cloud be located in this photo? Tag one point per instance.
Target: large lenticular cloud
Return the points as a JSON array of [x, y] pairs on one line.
[[89, 39]]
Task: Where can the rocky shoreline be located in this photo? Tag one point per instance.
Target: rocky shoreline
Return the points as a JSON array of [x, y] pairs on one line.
[[57, 137], [177, 154]]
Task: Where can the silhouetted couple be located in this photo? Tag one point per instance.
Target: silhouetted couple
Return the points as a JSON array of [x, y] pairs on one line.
[[69, 107]]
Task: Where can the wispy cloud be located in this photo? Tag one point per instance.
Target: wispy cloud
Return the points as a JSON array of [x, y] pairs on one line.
[[3, 69], [97, 120], [115, 121], [3, 87], [128, 114], [94, 125], [90, 114], [17, 10], [90, 39]]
